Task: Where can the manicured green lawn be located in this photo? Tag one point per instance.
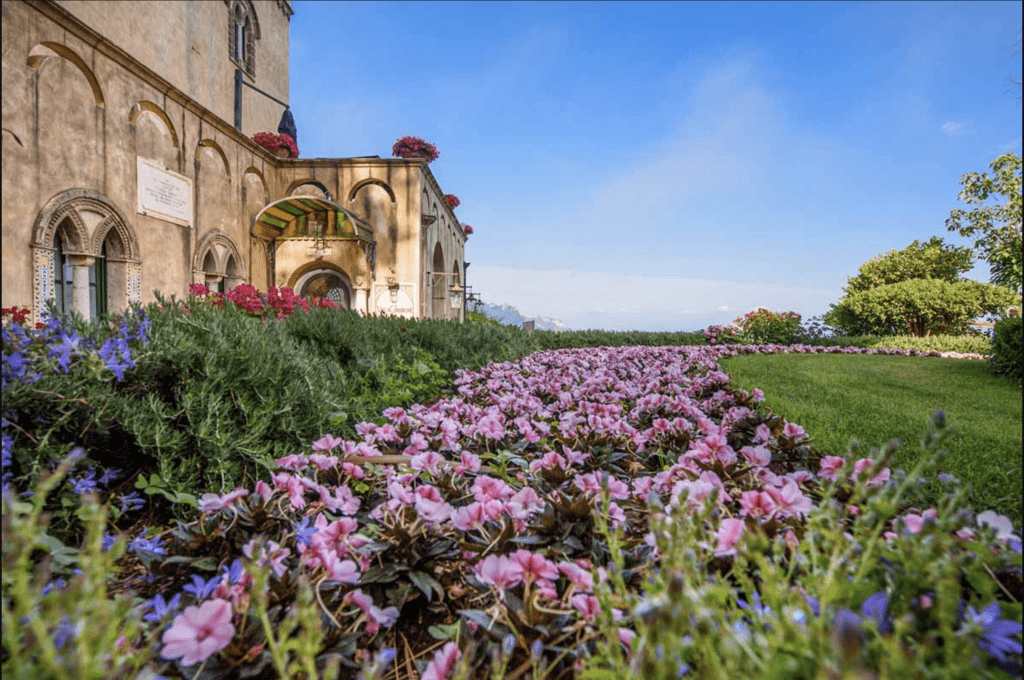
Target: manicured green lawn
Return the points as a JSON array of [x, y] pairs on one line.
[[837, 398]]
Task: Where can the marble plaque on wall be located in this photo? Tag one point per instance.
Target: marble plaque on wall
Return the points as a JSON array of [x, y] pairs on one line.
[[164, 194]]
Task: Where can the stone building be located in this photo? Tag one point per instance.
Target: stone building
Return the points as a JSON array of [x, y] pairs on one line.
[[128, 169]]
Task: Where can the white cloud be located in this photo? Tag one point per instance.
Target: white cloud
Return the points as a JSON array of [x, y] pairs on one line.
[[637, 302], [952, 128]]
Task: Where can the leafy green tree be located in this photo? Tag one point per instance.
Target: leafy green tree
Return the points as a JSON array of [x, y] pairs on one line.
[[996, 229], [933, 259], [920, 307]]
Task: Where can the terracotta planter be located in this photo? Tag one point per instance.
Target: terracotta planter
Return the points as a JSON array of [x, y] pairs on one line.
[[425, 155], [282, 153]]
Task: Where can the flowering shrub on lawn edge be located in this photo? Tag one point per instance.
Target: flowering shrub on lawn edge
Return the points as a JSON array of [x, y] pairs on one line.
[[567, 513]]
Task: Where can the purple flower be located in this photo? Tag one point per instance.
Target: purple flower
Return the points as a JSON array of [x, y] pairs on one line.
[[875, 607], [235, 571], [131, 501], [109, 476], [147, 544], [303, 531], [69, 345], [200, 588], [85, 484], [161, 607], [997, 635]]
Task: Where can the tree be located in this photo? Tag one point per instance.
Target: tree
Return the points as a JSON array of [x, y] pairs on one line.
[[919, 307], [917, 291], [996, 228], [934, 259]]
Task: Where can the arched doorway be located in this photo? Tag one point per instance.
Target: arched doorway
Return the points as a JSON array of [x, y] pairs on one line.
[[328, 284], [438, 290]]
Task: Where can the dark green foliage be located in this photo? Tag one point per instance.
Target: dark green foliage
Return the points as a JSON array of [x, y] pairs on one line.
[[1008, 347], [934, 259], [919, 307], [217, 397], [568, 339]]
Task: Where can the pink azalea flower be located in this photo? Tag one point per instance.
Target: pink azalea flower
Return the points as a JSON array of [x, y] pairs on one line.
[[469, 462], [876, 481], [756, 455], [499, 571], [830, 467], [762, 434], [211, 502], [789, 500], [375, 617], [432, 511], [729, 533], [756, 504], [534, 566], [586, 605], [264, 490], [296, 461], [323, 462], [429, 461], [580, 578], [469, 517], [326, 443], [794, 432], [488, 488], [440, 667], [199, 632], [491, 427], [913, 522], [345, 571]]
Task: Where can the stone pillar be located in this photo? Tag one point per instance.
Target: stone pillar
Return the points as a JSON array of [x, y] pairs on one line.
[[80, 283], [361, 300]]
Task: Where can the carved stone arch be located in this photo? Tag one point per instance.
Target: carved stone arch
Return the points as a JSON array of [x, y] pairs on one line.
[[307, 274], [38, 55], [68, 211], [67, 204], [382, 184], [210, 144], [144, 105], [308, 181], [244, 12], [214, 252], [253, 170]]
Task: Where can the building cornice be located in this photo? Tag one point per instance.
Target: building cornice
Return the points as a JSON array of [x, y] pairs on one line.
[[51, 10]]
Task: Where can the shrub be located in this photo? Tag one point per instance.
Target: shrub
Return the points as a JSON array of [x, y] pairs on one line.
[[763, 326], [722, 335], [1008, 348], [919, 307]]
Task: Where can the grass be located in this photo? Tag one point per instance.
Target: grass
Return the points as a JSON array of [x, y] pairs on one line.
[[874, 399]]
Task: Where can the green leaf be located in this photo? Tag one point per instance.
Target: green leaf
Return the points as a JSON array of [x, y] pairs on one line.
[[427, 584]]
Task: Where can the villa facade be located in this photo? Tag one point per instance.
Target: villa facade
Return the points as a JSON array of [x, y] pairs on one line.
[[129, 170]]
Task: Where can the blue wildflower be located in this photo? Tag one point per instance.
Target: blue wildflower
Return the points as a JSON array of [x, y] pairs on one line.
[[66, 632], [56, 584], [234, 572], [303, 531], [108, 541], [161, 607], [131, 501], [68, 346], [85, 484], [200, 588], [109, 475], [875, 607], [152, 545], [997, 635]]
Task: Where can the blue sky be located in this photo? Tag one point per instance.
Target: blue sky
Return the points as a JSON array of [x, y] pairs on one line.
[[666, 166]]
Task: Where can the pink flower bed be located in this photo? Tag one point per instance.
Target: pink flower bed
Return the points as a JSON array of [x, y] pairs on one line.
[[486, 502]]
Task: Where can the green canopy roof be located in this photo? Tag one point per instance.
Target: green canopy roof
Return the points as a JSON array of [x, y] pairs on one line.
[[291, 218]]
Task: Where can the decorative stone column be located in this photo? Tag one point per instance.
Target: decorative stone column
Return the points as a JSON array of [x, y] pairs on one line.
[[80, 283], [362, 296]]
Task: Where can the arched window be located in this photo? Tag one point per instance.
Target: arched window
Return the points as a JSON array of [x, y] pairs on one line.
[[243, 32], [98, 284], [63, 281]]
